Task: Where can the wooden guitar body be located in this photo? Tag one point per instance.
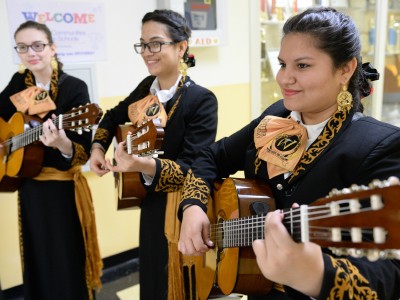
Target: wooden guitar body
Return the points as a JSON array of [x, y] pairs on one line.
[[25, 162], [22, 153], [128, 185], [225, 270], [129, 189]]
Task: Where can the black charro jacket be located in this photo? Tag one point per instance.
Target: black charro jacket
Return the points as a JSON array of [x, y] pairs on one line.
[[191, 126], [362, 150], [72, 93]]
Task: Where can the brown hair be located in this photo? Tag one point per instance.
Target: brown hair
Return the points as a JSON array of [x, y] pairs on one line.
[[40, 27]]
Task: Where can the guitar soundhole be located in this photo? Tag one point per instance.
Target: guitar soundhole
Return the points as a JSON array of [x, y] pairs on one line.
[[259, 208], [218, 234], [34, 123]]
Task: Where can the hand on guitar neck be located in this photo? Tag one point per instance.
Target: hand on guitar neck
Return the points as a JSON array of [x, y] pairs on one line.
[[298, 265], [288, 244], [137, 145], [56, 138], [124, 162]]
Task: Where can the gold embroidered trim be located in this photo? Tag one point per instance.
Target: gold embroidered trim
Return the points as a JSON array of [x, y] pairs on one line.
[[195, 188], [330, 130], [171, 177], [349, 283], [257, 162], [53, 83], [279, 287], [80, 156], [171, 112], [21, 241], [101, 135]]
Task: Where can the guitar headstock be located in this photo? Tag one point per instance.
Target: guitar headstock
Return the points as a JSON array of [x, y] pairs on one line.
[[80, 118], [358, 221], [144, 140]]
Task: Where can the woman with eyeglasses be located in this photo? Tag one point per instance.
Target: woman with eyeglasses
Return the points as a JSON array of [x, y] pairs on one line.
[[188, 115], [60, 255]]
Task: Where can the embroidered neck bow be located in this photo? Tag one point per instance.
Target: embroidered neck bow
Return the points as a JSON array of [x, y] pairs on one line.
[[146, 109], [281, 143]]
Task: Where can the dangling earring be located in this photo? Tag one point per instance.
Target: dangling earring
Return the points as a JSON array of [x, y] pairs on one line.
[[21, 69], [182, 67], [54, 63], [344, 100]]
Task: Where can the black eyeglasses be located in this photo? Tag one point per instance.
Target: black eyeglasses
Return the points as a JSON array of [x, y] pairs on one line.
[[37, 47], [153, 47]]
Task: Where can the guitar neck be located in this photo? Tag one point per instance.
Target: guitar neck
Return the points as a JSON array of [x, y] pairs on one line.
[[30, 129], [359, 219], [30, 135]]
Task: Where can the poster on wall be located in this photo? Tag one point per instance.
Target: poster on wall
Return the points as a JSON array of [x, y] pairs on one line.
[[77, 27], [206, 18]]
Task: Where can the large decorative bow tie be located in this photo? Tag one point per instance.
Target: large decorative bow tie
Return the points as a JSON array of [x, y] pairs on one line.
[[281, 143]]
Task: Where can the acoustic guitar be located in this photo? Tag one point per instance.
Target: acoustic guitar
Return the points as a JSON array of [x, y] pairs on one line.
[[357, 221], [22, 153], [145, 140]]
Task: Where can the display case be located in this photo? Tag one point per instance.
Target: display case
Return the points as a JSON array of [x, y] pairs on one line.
[[379, 25]]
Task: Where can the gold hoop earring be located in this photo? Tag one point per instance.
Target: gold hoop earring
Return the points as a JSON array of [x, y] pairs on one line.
[[21, 68], [54, 63], [344, 100], [182, 67]]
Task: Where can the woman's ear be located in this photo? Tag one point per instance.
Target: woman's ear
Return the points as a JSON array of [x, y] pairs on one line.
[[348, 70], [183, 45], [53, 48]]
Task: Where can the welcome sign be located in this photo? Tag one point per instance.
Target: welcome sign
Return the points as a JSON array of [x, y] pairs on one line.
[[77, 27]]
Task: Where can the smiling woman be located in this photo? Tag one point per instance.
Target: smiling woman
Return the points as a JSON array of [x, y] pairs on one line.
[[313, 141], [188, 115], [60, 255]]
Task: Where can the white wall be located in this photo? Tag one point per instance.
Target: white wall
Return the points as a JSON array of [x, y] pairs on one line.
[[123, 69], [224, 69]]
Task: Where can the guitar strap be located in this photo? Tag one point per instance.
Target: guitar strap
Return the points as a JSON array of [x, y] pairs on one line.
[[84, 205], [180, 267]]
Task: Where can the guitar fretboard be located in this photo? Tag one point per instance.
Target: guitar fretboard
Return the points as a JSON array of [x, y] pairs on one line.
[[29, 136], [302, 225]]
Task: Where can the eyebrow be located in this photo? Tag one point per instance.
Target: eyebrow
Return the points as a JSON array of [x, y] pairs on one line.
[[154, 38], [32, 42], [298, 59]]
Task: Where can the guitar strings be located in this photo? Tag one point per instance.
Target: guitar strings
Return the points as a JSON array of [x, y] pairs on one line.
[[243, 231], [32, 134]]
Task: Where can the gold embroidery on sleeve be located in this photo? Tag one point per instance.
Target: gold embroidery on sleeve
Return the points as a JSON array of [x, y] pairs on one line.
[[349, 283], [195, 188], [80, 156], [101, 135], [171, 177]]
